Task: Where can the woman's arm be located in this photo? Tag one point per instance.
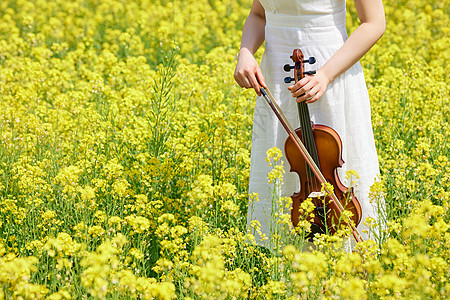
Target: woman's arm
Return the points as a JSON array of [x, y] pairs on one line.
[[247, 73], [373, 24]]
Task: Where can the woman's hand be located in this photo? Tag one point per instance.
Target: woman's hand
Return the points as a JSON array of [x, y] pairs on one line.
[[248, 73], [310, 88]]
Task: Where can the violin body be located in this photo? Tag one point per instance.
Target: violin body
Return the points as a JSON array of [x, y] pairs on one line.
[[329, 149]]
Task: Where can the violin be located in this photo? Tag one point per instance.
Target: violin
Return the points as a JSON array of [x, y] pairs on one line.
[[314, 152], [325, 147]]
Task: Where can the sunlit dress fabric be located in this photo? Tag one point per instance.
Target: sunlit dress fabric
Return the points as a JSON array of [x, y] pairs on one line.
[[317, 27]]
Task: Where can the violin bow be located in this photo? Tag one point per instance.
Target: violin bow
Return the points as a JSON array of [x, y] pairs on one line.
[[291, 132]]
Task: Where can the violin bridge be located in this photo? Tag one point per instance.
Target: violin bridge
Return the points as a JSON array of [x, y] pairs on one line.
[[316, 194]]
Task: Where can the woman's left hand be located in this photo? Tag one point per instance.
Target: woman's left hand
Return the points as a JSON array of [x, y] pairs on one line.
[[310, 88]]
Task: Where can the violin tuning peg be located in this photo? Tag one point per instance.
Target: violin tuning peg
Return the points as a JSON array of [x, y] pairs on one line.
[[310, 60], [288, 67], [309, 72], [288, 79]]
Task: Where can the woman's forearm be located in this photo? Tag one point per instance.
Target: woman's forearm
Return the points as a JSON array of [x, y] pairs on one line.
[[253, 31], [373, 24], [357, 45]]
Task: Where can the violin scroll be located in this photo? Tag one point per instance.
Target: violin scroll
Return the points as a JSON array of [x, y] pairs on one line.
[[298, 60]]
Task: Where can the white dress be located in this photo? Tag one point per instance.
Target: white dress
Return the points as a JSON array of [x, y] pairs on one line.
[[317, 27]]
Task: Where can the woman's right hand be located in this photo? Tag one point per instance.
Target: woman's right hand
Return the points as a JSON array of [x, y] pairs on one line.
[[248, 73]]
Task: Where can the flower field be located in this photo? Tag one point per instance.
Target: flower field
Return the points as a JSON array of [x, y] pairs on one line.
[[125, 149]]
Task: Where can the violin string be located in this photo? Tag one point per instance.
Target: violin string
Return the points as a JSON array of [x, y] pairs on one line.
[[313, 182], [310, 145], [304, 136], [306, 132], [308, 137]]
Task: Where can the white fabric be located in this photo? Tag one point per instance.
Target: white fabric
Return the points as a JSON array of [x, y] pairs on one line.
[[317, 27]]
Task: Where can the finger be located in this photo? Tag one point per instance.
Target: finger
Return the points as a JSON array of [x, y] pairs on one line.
[[246, 77], [260, 78], [303, 90], [246, 80], [254, 84], [242, 83], [304, 80], [296, 86], [308, 95], [239, 82], [315, 98], [240, 79], [300, 86]]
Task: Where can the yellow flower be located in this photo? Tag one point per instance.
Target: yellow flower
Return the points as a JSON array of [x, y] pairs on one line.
[[87, 193], [96, 231], [138, 223], [136, 253], [276, 173], [274, 153], [48, 215]]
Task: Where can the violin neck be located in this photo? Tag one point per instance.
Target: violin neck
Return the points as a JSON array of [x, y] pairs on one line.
[[307, 134]]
